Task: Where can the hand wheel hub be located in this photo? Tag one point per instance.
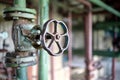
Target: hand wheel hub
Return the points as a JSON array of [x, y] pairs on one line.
[[57, 37]]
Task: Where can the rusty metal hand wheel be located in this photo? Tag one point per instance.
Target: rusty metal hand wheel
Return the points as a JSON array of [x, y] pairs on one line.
[[55, 37]]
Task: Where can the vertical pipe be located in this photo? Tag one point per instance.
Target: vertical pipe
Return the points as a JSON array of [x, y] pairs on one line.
[[29, 70], [43, 58], [20, 3], [70, 45], [113, 59], [88, 37], [52, 68], [113, 69], [51, 57], [22, 73], [88, 43]]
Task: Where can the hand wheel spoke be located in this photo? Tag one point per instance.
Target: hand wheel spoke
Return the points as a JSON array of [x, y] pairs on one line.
[[55, 25], [59, 46], [65, 34], [50, 43], [50, 34]]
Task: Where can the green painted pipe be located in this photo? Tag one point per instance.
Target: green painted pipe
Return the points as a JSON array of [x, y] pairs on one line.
[[99, 25], [20, 3], [97, 52], [106, 53], [22, 73], [106, 25], [43, 58], [106, 7]]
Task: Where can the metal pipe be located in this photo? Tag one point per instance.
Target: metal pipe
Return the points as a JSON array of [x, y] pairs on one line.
[[113, 59], [52, 68], [86, 3], [102, 53], [43, 58], [20, 3], [52, 57], [113, 69], [106, 7], [30, 75], [70, 45], [88, 43], [88, 37], [22, 73]]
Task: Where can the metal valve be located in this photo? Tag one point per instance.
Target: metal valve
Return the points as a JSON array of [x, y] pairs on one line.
[[39, 39], [24, 54], [27, 37]]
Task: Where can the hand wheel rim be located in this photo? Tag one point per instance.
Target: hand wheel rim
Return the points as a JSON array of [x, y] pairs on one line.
[[64, 27]]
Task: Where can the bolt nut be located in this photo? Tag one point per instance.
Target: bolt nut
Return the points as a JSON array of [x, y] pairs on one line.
[[38, 42], [38, 31]]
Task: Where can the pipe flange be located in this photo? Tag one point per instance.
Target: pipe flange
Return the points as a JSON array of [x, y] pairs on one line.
[[12, 60], [16, 13], [18, 9]]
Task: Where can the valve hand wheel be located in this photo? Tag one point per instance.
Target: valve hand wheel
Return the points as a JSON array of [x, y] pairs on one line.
[[55, 37]]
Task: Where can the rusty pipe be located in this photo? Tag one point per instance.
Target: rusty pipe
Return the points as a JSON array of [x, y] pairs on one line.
[[88, 43], [113, 69], [88, 27], [88, 37], [52, 66], [70, 45], [113, 59]]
